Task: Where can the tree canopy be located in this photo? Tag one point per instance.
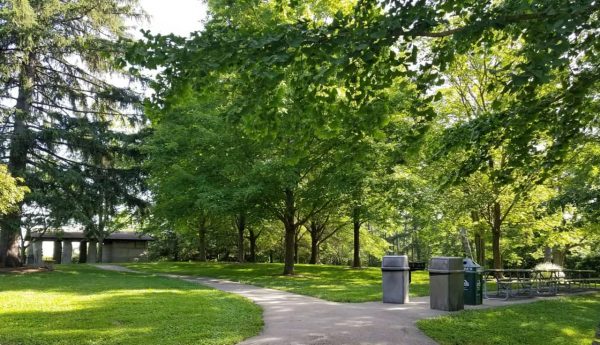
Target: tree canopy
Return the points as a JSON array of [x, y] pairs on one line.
[[319, 131]]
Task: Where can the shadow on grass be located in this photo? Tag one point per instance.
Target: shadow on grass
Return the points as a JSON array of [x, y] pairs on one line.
[[77, 279], [134, 317], [563, 321]]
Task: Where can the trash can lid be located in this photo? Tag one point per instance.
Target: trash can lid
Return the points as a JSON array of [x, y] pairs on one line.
[[445, 263], [395, 262], [470, 264]]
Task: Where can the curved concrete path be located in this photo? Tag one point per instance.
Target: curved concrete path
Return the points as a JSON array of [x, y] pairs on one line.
[[301, 320]]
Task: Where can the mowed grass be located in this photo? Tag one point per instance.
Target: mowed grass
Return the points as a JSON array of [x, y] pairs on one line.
[[332, 283], [80, 304], [564, 321]]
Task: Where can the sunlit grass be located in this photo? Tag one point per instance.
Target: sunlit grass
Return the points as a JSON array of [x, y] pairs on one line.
[[564, 321], [332, 283], [79, 304]]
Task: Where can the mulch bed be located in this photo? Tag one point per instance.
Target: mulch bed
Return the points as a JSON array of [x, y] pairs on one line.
[[23, 270]]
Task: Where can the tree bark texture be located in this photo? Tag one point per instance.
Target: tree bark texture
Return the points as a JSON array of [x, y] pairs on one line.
[[241, 228], [289, 223], [314, 250], [202, 240], [20, 144], [82, 252], [252, 238], [356, 225], [496, 234], [57, 255]]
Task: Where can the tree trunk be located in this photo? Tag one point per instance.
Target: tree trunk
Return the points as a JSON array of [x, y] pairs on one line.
[[100, 249], [418, 254], [465, 243], [479, 239], [92, 252], [252, 237], [496, 233], [289, 223], [296, 241], [241, 227], [82, 252], [57, 255], [315, 238], [356, 223], [26, 251], [20, 143], [9, 246], [480, 248], [314, 250], [290, 236], [558, 257], [202, 240], [547, 254]]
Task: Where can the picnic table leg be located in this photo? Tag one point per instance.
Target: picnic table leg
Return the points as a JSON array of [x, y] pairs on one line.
[[485, 295]]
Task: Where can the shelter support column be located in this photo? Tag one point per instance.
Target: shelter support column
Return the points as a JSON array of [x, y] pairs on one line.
[[92, 252], [38, 255], [67, 252]]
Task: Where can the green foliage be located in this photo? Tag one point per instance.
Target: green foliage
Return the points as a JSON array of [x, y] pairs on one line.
[[565, 321], [10, 192], [314, 112], [81, 304]]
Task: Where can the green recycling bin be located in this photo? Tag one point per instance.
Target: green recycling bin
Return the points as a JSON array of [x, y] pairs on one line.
[[473, 284]]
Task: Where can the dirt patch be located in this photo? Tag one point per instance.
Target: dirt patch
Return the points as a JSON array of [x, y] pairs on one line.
[[23, 270]]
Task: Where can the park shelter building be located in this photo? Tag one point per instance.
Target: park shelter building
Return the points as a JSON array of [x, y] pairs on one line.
[[117, 247]]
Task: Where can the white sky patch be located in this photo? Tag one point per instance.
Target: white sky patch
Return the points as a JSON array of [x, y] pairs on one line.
[[179, 17]]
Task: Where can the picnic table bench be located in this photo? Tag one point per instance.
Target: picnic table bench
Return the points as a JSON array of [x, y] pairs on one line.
[[581, 278]]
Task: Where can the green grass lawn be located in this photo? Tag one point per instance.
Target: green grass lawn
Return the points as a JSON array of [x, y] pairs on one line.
[[332, 283], [79, 304], [564, 321]]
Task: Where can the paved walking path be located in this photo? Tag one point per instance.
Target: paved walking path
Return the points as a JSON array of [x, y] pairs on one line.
[[301, 320]]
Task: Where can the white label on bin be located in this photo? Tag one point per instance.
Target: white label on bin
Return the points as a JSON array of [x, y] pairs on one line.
[[466, 284]]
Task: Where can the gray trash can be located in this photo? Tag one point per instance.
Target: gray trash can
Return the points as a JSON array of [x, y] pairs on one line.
[[446, 277], [394, 271]]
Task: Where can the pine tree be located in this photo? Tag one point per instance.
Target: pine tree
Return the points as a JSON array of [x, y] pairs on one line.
[[58, 112]]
